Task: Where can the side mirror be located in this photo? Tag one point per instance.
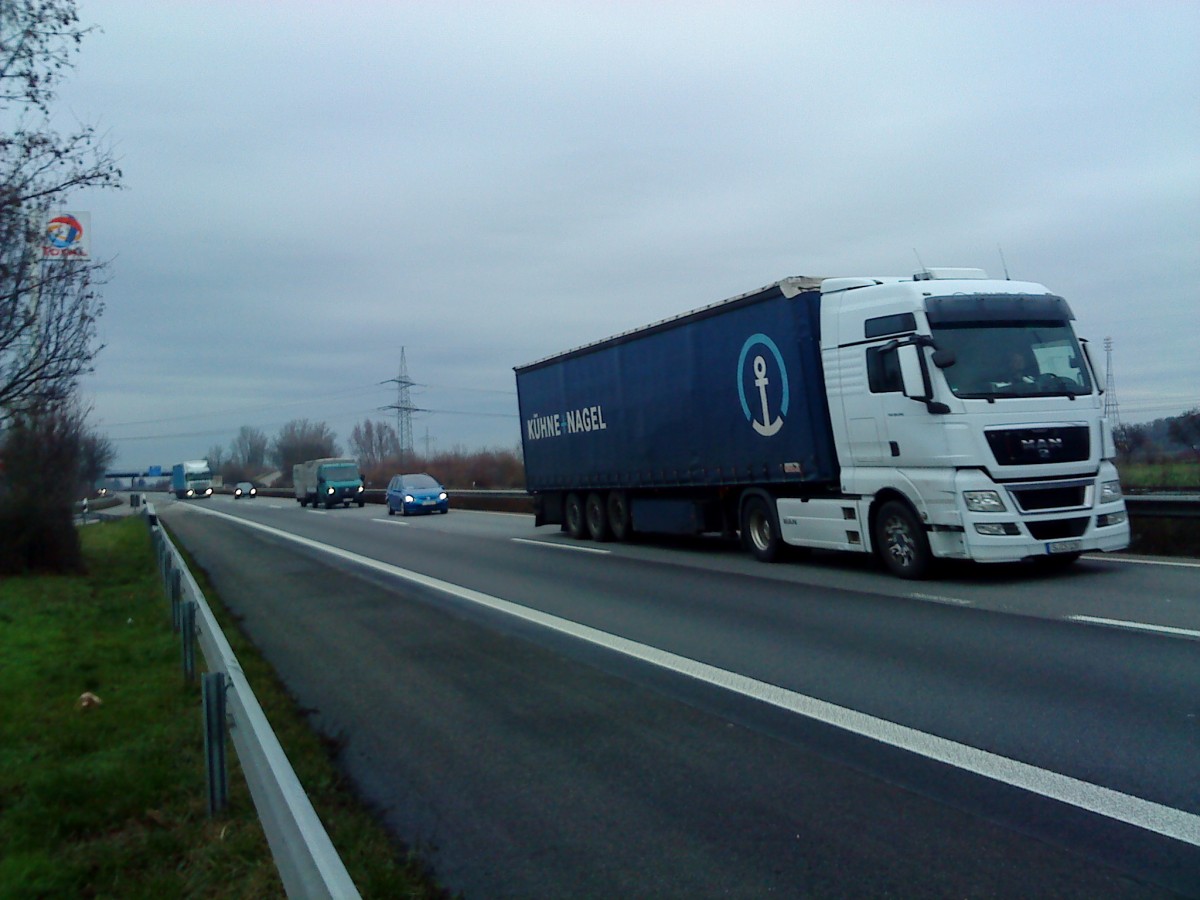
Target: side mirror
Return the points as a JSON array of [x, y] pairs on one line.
[[944, 359], [911, 375], [1087, 351]]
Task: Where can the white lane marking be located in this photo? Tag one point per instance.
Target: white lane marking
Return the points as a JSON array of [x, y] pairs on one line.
[[557, 546], [390, 522], [1136, 626], [1166, 820], [934, 598], [1142, 562]]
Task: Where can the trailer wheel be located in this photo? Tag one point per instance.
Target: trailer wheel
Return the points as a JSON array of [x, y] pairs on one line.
[[573, 517], [597, 518], [760, 533], [619, 521], [901, 541]]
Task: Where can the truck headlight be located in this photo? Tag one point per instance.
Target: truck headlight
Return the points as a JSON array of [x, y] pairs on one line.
[[997, 528], [984, 501], [329, 491], [360, 488], [1110, 491]]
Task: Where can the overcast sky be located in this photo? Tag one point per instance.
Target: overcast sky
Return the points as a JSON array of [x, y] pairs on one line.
[[312, 186]]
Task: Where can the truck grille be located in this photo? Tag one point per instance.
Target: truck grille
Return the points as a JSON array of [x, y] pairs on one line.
[[1039, 499], [1058, 529], [1027, 446]]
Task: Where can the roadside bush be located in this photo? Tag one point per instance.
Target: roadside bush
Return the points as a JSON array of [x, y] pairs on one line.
[[42, 455]]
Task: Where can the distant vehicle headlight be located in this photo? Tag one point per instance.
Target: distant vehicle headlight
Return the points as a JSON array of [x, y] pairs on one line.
[[1110, 491], [329, 490], [984, 501], [237, 492], [253, 491], [207, 492], [442, 495], [409, 498], [360, 488]]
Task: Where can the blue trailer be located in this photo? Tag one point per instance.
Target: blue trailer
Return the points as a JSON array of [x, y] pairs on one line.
[[865, 414], [657, 429]]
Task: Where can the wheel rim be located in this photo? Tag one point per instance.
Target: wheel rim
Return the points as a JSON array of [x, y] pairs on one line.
[[760, 530], [899, 541], [574, 517]]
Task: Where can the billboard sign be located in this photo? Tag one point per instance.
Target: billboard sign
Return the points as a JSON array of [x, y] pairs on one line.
[[67, 235]]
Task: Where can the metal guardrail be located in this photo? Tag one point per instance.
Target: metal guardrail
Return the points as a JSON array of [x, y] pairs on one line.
[[1168, 506], [308, 864]]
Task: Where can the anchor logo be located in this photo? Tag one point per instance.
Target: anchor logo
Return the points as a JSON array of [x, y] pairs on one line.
[[767, 426]]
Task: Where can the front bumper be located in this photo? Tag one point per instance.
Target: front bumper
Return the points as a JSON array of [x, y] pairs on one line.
[[1087, 526]]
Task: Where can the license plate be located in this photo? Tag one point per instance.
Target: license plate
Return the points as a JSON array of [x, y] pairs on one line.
[[428, 502], [1064, 546]]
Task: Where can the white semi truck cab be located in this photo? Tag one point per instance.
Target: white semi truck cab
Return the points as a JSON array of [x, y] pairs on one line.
[[968, 423]]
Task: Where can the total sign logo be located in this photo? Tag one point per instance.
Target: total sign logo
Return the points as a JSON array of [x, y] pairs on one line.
[[766, 406], [66, 236]]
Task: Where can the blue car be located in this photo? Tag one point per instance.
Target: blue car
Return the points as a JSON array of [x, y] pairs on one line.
[[417, 493]]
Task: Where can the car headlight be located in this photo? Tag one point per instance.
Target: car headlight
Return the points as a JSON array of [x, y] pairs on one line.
[[442, 495], [1110, 491], [409, 498], [984, 501], [329, 490], [237, 492], [253, 491]]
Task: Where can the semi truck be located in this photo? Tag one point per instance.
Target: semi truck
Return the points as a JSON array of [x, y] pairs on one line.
[[328, 481], [942, 415], [191, 479]]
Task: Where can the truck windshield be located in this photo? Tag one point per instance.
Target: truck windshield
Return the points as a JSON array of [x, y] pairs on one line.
[[198, 476], [1018, 359], [339, 473]]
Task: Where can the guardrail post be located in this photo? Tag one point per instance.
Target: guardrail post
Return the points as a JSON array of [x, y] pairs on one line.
[[175, 589], [213, 690], [187, 627]]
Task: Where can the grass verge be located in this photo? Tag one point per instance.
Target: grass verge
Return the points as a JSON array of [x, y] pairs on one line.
[[109, 800]]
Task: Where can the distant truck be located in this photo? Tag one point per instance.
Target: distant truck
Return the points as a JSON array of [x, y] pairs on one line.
[[328, 481], [941, 415], [192, 479]]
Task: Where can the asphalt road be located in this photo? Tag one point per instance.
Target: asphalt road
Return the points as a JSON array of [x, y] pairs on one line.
[[666, 719]]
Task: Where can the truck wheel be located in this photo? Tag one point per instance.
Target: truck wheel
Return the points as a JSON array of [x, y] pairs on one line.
[[619, 521], [597, 518], [573, 517], [901, 541], [760, 533]]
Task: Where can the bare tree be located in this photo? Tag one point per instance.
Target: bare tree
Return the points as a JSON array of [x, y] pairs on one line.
[[1185, 429], [48, 310], [373, 443], [300, 440], [216, 457], [96, 453], [249, 449]]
